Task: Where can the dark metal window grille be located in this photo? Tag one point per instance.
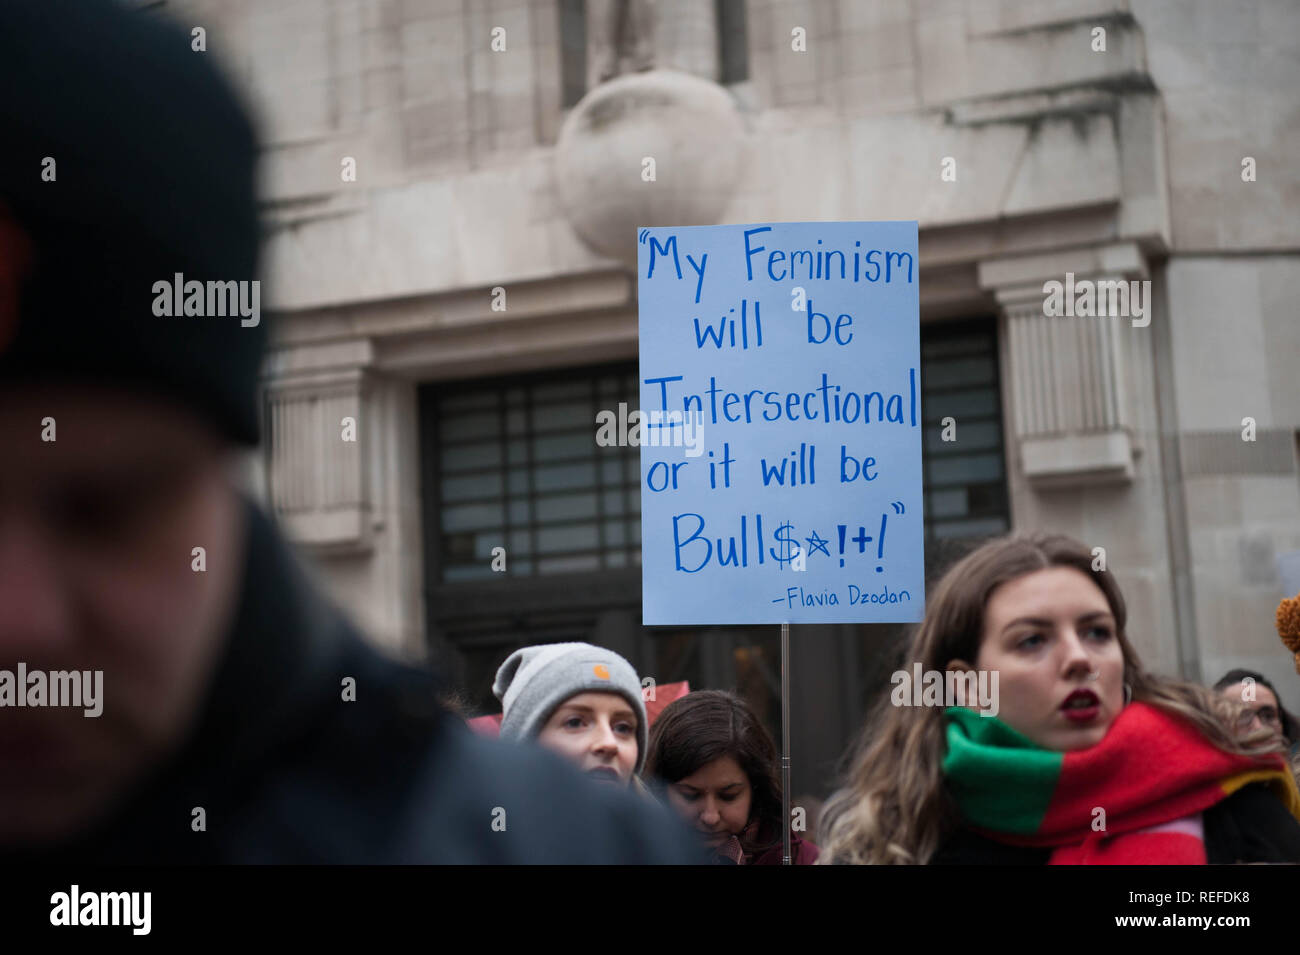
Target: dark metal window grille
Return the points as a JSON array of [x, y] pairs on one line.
[[965, 479], [518, 467]]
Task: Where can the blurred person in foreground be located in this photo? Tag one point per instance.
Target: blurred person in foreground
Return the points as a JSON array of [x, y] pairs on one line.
[[225, 733], [1082, 758]]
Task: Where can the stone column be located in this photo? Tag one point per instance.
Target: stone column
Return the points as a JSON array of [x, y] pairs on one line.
[[343, 480], [316, 468], [1083, 427], [1067, 379]]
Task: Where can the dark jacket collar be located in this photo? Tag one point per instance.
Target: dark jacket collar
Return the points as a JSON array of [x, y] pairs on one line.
[[283, 643]]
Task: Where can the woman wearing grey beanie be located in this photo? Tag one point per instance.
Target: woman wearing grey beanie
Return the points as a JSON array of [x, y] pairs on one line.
[[581, 701]]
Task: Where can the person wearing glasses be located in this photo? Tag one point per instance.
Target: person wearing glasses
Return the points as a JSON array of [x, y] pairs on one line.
[[1260, 706]]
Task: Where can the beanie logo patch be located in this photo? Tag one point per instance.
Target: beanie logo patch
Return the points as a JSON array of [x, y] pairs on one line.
[[601, 671], [15, 257]]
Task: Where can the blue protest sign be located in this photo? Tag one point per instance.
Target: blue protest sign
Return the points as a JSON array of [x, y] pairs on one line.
[[781, 424]]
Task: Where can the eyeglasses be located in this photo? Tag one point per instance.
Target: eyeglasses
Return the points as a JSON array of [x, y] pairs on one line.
[[1267, 715]]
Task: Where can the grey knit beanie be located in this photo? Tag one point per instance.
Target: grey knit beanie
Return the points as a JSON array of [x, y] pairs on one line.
[[534, 681]]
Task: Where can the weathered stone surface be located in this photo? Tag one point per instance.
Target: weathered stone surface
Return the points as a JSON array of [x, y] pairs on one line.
[[1063, 155]]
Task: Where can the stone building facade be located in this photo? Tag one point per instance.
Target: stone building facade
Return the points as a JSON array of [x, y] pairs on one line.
[[1114, 140]]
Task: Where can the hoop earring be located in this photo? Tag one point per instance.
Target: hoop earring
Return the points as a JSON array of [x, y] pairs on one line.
[[1128, 694]]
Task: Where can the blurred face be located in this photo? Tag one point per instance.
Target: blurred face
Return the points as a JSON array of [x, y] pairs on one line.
[[597, 732], [97, 530], [1261, 711], [1052, 638], [715, 799]]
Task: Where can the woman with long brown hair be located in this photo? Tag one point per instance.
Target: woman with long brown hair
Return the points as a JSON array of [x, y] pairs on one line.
[[1089, 758], [717, 766]]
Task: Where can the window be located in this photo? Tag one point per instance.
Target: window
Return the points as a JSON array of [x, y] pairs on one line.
[[732, 34], [733, 44], [518, 467], [965, 479], [573, 50]]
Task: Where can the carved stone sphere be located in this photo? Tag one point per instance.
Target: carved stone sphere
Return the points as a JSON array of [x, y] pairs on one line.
[[689, 126]]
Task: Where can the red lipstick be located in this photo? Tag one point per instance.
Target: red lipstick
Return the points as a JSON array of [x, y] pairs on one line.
[[1081, 706]]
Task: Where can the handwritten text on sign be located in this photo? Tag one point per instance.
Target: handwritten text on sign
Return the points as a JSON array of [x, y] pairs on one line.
[[781, 442]]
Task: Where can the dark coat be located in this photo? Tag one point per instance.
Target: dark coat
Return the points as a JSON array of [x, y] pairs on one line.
[[1251, 825], [287, 771]]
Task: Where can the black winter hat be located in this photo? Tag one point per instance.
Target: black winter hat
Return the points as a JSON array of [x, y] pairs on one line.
[[125, 160]]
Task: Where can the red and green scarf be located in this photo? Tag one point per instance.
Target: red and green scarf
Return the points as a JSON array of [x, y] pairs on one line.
[[1153, 775]]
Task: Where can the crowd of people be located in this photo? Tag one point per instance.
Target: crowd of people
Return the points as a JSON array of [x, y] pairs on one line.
[[244, 719], [708, 755], [1090, 758]]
